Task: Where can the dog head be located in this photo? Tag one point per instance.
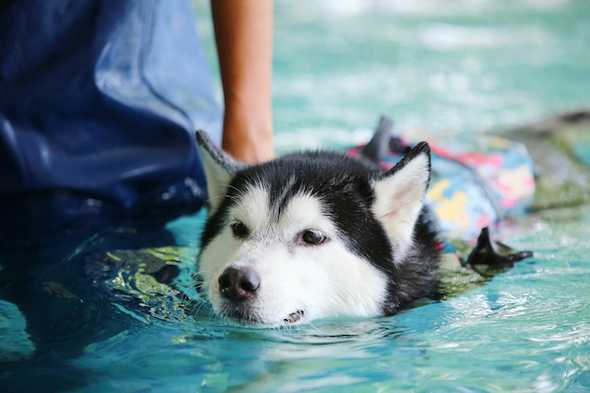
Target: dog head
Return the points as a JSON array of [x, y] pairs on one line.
[[307, 236]]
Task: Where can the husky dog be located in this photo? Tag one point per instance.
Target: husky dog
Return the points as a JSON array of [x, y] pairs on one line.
[[314, 235]]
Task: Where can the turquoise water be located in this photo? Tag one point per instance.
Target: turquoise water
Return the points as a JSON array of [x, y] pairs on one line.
[[468, 66]]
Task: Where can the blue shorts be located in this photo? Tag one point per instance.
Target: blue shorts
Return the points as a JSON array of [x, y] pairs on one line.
[[98, 106]]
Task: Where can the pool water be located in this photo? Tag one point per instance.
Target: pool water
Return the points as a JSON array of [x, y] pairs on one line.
[[464, 67]]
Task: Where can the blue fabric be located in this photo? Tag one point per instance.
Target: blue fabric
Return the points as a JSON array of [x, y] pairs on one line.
[[100, 99]]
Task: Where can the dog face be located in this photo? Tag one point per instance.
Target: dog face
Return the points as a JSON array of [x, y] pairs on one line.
[[307, 236]]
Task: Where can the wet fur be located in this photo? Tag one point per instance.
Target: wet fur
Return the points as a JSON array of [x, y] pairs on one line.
[[345, 186]]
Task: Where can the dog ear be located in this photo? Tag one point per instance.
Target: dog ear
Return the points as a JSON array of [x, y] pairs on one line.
[[400, 194], [219, 168]]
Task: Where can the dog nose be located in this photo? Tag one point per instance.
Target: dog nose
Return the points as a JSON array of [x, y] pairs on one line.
[[238, 284]]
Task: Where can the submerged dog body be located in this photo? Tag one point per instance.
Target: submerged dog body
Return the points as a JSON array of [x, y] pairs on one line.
[[316, 235]]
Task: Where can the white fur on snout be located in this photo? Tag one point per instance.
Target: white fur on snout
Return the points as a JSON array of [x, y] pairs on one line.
[[323, 281], [224, 250]]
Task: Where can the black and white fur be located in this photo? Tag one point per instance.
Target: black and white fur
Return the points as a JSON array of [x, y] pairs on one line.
[[315, 235]]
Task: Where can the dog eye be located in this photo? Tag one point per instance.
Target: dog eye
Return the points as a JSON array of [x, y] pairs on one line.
[[311, 237], [240, 230]]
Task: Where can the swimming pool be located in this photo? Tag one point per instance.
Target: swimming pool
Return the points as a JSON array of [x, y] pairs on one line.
[[464, 67]]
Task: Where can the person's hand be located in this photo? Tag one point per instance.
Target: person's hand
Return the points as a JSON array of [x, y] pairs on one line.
[[243, 32]]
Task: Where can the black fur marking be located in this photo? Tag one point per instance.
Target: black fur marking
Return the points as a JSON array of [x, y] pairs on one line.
[[417, 276], [420, 148], [344, 186]]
